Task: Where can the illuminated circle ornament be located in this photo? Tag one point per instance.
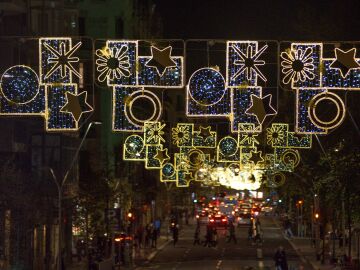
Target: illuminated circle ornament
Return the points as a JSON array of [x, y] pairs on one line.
[[168, 170], [134, 144], [19, 84], [297, 65], [142, 94], [228, 146], [234, 169], [345, 61], [340, 110], [291, 157], [277, 179], [113, 63], [206, 86], [195, 157]]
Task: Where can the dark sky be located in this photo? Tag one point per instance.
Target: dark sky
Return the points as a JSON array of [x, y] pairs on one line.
[[271, 19]]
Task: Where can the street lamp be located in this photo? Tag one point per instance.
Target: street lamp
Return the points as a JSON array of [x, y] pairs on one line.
[[61, 184]]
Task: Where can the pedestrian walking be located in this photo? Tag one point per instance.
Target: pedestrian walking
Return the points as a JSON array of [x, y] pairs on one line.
[[215, 237], [280, 259], [154, 236], [147, 235], [231, 233], [250, 232], [197, 236], [208, 236], [287, 227], [176, 234]]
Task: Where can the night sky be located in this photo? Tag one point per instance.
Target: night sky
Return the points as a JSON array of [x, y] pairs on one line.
[[272, 19]]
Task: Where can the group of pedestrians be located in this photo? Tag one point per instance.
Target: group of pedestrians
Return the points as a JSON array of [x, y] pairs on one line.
[[151, 232], [211, 235]]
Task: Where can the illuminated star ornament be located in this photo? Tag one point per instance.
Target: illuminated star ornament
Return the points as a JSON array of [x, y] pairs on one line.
[[76, 104], [205, 132], [345, 61], [261, 107], [249, 62], [255, 156], [162, 155], [161, 60], [62, 60]]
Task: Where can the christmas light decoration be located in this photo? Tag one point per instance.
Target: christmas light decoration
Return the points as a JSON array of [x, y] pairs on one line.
[[243, 63], [123, 101], [206, 94], [227, 150], [134, 148], [113, 64], [153, 133]]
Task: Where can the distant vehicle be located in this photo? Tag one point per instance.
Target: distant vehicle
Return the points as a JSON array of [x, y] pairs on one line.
[[218, 221], [203, 217], [245, 208], [244, 219], [256, 210], [267, 210]]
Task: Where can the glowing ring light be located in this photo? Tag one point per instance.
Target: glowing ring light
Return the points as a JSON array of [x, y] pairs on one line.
[[340, 107], [228, 146], [134, 144], [197, 156], [147, 95], [278, 179], [234, 168], [206, 86], [19, 84], [291, 156], [168, 170]]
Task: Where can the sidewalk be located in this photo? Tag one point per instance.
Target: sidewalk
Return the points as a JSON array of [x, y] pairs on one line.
[[302, 246], [141, 256]]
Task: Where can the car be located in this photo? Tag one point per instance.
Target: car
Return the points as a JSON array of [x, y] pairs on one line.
[[203, 217], [244, 219], [218, 221], [267, 210], [245, 208]]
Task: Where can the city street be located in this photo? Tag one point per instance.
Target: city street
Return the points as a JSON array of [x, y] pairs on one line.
[[242, 255]]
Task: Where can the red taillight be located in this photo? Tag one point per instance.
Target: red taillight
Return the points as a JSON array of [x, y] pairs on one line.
[[211, 220], [224, 220]]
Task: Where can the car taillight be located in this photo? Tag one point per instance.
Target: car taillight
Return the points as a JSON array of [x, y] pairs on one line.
[[197, 216], [224, 220], [211, 220]]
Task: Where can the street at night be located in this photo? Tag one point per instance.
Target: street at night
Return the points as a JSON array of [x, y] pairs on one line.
[[179, 135], [227, 256]]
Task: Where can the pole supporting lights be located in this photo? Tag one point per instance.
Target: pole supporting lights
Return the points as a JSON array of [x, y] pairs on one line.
[[60, 186]]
